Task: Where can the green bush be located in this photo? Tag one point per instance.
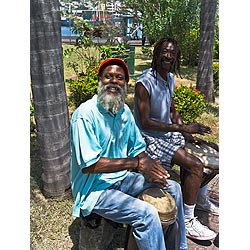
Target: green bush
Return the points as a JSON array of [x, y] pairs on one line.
[[216, 48], [216, 77], [147, 51], [189, 102], [32, 109], [120, 50], [84, 87]]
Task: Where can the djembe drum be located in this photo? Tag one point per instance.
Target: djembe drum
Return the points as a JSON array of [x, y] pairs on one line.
[[208, 156], [166, 207]]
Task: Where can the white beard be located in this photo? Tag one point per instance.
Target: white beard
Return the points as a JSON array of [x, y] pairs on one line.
[[110, 102]]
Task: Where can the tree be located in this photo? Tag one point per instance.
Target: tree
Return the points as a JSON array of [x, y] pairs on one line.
[[175, 18], [49, 96], [205, 63]]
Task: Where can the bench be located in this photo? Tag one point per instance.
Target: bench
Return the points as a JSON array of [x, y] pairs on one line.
[[97, 233]]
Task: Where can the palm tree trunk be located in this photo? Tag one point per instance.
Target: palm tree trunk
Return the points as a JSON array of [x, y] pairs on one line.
[[49, 96], [205, 63]]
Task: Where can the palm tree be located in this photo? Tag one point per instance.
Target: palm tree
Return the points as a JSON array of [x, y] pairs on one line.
[[205, 63], [49, 96]]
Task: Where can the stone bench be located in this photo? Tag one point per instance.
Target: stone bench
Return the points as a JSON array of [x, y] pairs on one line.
[[97, 233]]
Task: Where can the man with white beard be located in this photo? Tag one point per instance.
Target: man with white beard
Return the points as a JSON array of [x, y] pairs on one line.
[[106, 146]]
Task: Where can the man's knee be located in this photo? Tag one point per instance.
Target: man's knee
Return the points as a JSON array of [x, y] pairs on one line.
[[146, 214], [174, 189], [195, 167], [148, 210]]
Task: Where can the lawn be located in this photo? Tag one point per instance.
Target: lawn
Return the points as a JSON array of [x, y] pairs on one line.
[[51, 223]]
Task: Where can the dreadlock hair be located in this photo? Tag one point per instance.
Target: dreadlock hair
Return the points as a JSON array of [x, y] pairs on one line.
[[156, 53]]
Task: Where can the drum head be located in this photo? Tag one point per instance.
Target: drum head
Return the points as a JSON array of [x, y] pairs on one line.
[[208, 156], [162, 201]]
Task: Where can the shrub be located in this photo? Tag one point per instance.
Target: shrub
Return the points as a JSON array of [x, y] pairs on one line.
[[84, 87], [216, 77], [32, 109], [147, 51], [120, 50], [190, 103], [32, 116]]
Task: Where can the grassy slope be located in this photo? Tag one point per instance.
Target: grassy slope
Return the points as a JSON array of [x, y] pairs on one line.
[[51, 223]]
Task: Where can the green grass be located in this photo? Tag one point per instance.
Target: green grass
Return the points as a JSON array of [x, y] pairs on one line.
[[51, 223]]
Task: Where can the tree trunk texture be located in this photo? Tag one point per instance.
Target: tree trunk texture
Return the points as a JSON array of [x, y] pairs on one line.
[[49, 96], [205, 63]]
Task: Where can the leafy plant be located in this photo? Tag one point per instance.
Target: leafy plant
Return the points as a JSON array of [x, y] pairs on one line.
[[84, 87], [84, 29], [147, 51], [32, 110], [190, 103], [120, 50], [216, 77], [32, 116]]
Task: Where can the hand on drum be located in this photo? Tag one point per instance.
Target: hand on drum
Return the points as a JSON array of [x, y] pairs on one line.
[[153, 171], [196, 128]]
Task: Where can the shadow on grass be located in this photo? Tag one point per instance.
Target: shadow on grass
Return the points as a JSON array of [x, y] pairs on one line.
[[142, 57], [74, 231], [188, 73], [35, 163], [214, 110], [142, 67]]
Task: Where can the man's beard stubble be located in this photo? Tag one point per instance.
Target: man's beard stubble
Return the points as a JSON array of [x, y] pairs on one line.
[[111, 102]]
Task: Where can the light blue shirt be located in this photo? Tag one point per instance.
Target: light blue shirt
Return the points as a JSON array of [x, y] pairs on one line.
[[160, 92], [95, 133]]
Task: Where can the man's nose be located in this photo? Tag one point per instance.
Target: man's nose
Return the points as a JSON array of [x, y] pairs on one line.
[[113, 80], [169, 55]]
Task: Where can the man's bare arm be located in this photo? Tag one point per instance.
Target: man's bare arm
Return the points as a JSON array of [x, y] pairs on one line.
[[143, 104]]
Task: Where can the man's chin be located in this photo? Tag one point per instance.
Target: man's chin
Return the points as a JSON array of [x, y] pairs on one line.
[[166, 65], [112, 93]]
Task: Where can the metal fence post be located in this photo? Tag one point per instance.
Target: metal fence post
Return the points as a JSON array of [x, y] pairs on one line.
[[131, 60]]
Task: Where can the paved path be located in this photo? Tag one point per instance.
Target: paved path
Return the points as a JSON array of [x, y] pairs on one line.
[[212, 221]]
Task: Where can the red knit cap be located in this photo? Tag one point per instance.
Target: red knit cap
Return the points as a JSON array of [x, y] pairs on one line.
[[116, 61]]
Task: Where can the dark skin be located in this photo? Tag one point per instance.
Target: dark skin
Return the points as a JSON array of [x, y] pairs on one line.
[[151, 168], [192, 174]]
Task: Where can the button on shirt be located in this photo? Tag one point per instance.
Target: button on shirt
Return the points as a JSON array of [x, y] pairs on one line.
[[94, 133]]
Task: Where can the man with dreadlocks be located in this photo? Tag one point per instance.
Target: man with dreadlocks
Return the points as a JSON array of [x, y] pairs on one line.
[[165, 134]]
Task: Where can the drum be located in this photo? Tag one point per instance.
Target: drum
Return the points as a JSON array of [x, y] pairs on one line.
[[208, 156], [163, 202], [166, 207]]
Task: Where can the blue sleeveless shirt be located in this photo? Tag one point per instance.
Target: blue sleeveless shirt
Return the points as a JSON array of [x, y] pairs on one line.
[[160, 92]]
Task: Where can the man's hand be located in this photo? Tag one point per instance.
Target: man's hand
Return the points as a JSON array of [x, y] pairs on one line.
[[153, 170], [196, 128]]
